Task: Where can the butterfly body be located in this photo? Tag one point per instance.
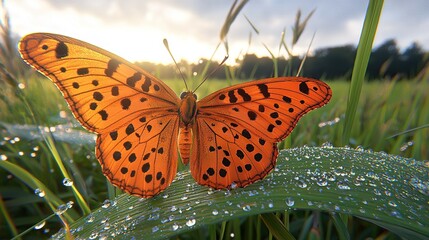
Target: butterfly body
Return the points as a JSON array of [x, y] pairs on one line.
[[228, 138]]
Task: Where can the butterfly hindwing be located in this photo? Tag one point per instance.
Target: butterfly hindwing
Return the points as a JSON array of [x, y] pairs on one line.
[[140, 157], [243, 124]]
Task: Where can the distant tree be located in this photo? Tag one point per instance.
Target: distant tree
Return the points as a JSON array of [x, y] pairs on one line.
[[384, 60], [412, 60], [333, 62]]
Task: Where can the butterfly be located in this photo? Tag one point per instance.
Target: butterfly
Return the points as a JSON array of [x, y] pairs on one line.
[[229, 138]]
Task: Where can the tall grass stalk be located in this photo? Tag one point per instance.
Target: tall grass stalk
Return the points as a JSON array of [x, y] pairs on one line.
[[366, 40]]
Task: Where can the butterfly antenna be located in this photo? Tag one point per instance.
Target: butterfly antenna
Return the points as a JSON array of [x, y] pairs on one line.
[[174, 60], [211, 73]]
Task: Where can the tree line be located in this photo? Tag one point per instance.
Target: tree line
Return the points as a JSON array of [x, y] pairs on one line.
[[386, 61]]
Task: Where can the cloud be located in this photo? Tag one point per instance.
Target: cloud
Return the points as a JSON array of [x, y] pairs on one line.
[[193, 26]]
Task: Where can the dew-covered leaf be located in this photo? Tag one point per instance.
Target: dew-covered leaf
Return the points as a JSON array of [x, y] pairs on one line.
[[387, 190]]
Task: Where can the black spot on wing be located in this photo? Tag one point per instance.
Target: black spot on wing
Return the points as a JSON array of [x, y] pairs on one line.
[[61, 50], [112, 66], [303, 87], [264, 90]]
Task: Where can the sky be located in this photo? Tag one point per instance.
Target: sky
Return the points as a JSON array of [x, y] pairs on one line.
[[134, 29]]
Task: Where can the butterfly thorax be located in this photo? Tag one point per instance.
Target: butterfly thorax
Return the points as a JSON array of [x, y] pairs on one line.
[[187, 112], [188, 107]]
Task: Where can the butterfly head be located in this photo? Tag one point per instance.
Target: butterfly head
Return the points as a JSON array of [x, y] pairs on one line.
[[188, 107], [186, 95]]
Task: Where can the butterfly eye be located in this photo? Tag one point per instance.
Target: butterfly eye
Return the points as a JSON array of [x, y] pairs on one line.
[[195, 96], [183, 94]]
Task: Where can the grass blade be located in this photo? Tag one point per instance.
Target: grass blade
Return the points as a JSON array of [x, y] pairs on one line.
[[368, 185], [361, 62]]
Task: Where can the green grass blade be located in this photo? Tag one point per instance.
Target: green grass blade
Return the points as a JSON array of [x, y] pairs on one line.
[[341, 227], [373, 186], [276, 227], [361, 62], [34, 184]]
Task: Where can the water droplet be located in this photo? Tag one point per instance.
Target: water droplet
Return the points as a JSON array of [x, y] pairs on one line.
[[155, 229], [343, 185], [173, 208], [40, 225], [215, 212], [69, 204], [302, 184], [191, 222], [67, 182], [322, 182], [3, 157], [392, 203], [90, 218], [61, 209], [246, 208], [290, 202], [93, 235], [421, 186], [234, 185], [106, 203], [175, 227], [39, 192]]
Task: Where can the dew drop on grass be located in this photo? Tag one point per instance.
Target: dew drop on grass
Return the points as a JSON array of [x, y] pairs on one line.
[[40, 225], [392, 203], [67, 182], [61, 209], [155, 229], [175, 227], [39, 192], [191, 222], [302, 184], [246, 208], [343, 185], [290, 202], [106, 203], [93, 235], [215, 212], [3, 157], [90, 218]]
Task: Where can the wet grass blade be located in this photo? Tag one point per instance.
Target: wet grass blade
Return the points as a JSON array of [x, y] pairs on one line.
[[368, 185]]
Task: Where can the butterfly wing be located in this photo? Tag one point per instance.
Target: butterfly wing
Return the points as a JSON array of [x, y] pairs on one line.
[[237, 128], [133, 113]]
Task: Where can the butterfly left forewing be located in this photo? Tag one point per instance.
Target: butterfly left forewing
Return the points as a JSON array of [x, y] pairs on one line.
[[244, 123], [100, 87], [133, 113]]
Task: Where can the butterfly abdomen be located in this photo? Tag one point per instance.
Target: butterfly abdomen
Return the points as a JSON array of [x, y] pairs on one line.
[[185, 143]]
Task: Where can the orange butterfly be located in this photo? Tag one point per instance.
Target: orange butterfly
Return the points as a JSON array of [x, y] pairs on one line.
[[229, 137]]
